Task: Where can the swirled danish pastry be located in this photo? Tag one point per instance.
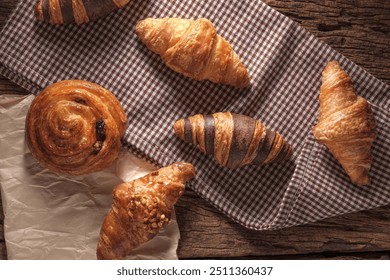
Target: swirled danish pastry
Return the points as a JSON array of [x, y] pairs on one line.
[[74, 127]]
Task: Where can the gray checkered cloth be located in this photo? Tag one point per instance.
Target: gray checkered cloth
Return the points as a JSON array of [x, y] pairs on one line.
[[285, 63]]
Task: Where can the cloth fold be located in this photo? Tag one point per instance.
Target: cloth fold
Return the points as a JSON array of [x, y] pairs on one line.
[[285, 63]]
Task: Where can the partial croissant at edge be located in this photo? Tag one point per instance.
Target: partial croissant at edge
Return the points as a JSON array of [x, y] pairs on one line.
[[194, 49], [75, 11], [233, 140], [346, 124], [140, 209]]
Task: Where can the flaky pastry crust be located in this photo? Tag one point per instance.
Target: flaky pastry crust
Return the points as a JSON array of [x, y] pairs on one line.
[[74, 127], [346, 124], [194, 49], [140, 209], [233, 140]]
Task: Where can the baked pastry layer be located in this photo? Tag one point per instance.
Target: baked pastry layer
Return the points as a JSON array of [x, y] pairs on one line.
[[75, 127]]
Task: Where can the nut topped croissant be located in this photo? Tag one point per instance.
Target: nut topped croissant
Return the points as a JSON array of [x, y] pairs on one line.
[[346, 124], [75, 127], [194, 49], [141, 208]]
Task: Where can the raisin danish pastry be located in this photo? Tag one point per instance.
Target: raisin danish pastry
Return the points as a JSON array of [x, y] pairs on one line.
[[75, 127], [140, 209]]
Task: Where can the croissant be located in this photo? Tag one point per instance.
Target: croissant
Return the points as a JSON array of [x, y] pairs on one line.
[[346, 124], [234, 140], [75, 127], [75, 11], [140, 209], [194, 49]]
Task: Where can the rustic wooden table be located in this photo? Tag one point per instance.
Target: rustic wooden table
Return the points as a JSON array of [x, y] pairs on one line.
[[359, 29]]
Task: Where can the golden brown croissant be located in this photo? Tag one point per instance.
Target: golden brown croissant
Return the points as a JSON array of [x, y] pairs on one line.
[[75, 127], [346, 124], [140, 209], [234, 140], [194, 49], [75, 11]]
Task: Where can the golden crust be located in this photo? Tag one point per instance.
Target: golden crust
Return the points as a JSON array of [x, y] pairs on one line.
[[79, 12], [233, 140], [194, 49], [39, 11], [55, 12], [258, 135], [275, 149], [197, 127], [223, 136], [346, 124], [74, 127], [140, 209]]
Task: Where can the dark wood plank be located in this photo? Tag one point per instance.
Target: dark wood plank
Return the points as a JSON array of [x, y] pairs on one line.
[[6, 7], [359, 29], [3, 250], [382, 255], [8, 87], [207, 233]]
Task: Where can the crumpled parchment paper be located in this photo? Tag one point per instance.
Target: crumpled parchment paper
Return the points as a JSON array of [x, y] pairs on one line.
[[49, 216]]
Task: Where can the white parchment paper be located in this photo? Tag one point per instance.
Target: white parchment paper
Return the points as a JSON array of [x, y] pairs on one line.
[[49, 216]]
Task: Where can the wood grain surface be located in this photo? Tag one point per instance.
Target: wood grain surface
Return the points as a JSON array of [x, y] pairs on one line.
[[360, 30]]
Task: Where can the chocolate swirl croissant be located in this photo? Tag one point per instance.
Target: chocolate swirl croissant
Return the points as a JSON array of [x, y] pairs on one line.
[[75, 127], [140, 209], [234, 140], [346, 124], [194, 49], [75, 11]]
